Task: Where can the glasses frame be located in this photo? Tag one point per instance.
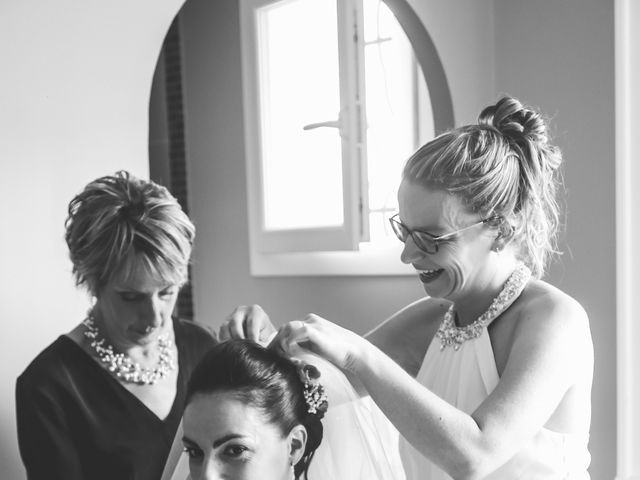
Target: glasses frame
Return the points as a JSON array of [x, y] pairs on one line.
[[401, 230]]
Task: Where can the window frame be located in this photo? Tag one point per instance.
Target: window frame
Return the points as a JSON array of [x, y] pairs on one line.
[[315, 260], [329, 238]]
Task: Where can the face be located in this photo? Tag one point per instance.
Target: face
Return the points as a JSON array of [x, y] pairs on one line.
[[461, 262], [134, 311], [225, 438]]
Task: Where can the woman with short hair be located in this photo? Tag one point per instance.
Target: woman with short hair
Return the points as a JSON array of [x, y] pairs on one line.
[[104, 401]]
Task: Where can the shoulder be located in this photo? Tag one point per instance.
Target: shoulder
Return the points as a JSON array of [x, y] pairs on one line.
[[406, 335], [549, 319], [193, 336], [423, 311], [53, 365], [420, 315], [194, 330], [548, 306]]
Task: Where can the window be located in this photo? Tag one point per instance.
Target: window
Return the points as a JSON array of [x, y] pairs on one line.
[[335, 102]]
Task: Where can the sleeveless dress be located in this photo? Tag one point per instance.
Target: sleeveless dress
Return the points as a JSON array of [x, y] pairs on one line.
[[464, 378]]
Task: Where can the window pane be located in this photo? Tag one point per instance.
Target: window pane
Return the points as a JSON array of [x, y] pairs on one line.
[[393, 115], [302, 170]]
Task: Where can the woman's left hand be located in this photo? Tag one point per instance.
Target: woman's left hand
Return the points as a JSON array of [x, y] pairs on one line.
[[338, 345]]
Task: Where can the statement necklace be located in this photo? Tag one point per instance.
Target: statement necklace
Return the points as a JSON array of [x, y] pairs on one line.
[[122, 366], [454, 336]]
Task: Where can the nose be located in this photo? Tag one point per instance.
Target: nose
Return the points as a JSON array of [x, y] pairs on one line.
[[209, 471], [152, 312], [410, 252]]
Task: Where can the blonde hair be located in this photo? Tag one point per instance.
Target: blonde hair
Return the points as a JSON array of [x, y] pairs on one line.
[[505, 165], [119, 222]]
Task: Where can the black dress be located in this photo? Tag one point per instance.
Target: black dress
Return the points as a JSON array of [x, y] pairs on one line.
[[75, 421]]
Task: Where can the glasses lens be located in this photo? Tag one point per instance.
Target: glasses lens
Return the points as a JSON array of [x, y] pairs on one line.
[[424, 242], [399, 229]]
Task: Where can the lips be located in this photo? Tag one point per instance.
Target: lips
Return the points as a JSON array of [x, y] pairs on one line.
[[427, 276]]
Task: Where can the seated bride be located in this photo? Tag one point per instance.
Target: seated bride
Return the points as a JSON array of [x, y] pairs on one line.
[[252, 413]]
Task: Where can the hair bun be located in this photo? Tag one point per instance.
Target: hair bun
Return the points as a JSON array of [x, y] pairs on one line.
[[514, 120]]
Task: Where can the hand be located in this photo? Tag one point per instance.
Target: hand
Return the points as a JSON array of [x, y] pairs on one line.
[[338, 345], [247, 322]]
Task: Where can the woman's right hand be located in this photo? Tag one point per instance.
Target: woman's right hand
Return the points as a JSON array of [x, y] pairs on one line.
[[247, 321], [342, 347]]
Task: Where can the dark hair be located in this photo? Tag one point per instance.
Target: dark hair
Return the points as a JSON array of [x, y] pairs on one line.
[[264, 379], [119, 221], [505, 165]]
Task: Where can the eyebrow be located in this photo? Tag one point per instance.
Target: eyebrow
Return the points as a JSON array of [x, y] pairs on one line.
[[186, 439], [217, 442], [226, 438], [124, 288], [424, 229]]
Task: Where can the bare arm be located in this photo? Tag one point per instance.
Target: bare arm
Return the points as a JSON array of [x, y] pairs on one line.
[[539, 371], [405, 336]]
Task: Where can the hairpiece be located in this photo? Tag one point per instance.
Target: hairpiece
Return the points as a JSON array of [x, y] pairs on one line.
[[314, 394]]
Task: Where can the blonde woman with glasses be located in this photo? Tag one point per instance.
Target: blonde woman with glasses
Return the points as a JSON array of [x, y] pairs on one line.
[[489, 376]]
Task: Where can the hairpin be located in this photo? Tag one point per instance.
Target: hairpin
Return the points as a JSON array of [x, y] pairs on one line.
[[314, 394]]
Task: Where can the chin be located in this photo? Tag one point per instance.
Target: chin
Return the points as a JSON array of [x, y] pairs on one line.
[[438, 288]]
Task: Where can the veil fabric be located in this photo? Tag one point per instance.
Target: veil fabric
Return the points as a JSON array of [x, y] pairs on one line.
[[358, 443]]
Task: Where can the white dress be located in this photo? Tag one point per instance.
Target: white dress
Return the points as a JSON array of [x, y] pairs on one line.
[[464, 378]]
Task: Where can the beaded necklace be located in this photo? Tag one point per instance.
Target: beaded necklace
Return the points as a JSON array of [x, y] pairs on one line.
[[454, 336], [122, 366]]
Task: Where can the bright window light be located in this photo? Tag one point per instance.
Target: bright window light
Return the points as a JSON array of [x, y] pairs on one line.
[[393, 117], [341, 103], [299, 85]]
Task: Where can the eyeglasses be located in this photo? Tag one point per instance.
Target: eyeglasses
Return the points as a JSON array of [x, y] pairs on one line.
[[425, 241]]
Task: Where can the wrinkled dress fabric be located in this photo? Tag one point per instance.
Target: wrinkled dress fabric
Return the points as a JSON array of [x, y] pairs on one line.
[[75, 421], [464, 378]]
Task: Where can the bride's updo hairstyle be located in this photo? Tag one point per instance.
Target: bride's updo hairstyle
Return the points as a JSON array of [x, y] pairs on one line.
[[503, 166], [264, 379]]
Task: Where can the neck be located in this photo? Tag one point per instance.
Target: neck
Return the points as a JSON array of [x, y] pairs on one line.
[[146, 353], [489, 283]]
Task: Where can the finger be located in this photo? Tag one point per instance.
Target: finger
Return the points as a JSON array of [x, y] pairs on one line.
[[235, 322], [223, 333], [255, 319], [290, 336]]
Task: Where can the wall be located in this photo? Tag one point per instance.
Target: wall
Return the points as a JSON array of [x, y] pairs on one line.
[[560, 57], [556, 55], [463, 33], [214, 131], [74, 96]]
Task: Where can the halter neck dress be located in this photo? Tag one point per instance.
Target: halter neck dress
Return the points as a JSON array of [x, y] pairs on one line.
[[464, 378]]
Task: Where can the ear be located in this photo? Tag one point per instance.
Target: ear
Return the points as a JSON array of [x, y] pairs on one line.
[[297, 440], [505, 235]]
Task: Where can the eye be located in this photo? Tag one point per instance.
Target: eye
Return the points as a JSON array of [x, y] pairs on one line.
[[168, 292], [129, 296], [235, 451], [193, 452]]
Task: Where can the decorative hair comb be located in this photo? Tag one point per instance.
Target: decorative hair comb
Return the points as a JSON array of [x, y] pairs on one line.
[[314, 394]]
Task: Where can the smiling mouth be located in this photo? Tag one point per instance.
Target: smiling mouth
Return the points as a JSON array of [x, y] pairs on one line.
[[427, 276]]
